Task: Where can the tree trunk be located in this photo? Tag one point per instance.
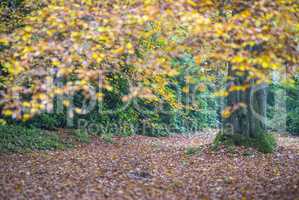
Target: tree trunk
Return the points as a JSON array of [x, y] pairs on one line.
[[246, 120]]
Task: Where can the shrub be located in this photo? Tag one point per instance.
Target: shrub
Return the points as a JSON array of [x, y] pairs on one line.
[[19, 139], [47, 121]]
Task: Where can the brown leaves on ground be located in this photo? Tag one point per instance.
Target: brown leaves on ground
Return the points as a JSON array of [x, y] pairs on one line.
[[141, 167]]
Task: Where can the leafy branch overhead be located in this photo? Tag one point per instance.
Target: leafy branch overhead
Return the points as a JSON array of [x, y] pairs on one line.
[[80, 42]]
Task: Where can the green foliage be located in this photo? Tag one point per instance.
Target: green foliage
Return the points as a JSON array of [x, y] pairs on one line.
[[199, 109], [47, 121], [264, 142], [82, 136], [290, 94], [190, 151], [108, 138], [19, 139], [293, 107], [203, 105], [113, 117]]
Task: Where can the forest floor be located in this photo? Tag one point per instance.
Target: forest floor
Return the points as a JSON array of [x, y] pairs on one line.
[[140, 167]]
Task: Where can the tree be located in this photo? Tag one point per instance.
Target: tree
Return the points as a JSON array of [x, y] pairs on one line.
[[271, 47], [78, 42]]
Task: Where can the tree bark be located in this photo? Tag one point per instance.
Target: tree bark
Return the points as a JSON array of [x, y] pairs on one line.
[[250, 120]]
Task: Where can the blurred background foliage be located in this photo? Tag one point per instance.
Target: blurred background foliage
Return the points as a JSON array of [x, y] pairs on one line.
[[293, 107], [141, 116]]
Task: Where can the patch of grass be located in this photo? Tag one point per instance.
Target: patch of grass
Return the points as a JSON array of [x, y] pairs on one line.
[[264, 142], [190, 151], [108, 138], [82, 136], [22, 139]]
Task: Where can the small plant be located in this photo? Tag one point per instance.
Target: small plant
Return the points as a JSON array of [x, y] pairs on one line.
[[190, 151], [82, 136], [108, 138]]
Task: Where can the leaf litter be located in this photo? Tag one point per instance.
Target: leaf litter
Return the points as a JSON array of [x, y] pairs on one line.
[[140, 167]]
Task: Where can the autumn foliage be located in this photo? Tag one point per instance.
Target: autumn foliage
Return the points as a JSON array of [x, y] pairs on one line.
[[70, 46]]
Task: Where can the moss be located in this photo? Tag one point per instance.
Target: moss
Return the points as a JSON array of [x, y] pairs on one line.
[[263, 142]]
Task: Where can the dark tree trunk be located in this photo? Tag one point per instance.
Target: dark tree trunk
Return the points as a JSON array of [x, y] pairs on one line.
[[248, 120]]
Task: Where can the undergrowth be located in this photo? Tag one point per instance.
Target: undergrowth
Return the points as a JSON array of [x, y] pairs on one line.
[[264, 143], [22, 139], [16, 138]]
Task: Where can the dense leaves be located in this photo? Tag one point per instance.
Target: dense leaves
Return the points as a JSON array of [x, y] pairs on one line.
[[77, 43]]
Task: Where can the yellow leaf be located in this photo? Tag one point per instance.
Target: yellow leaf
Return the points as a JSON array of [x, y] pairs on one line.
[[78, 110], [26, 104], [185, 90], [173, 72], [226, 113], [26, 117], [192, 3], [118, 51], [237, 88], [56, 63], [129, 46], [42, 96], [26, 36], [58, 91], [28, 29], [2, 122], [197, 60], [237, 59], [98, 57], [66, 103], [4, 41], [7, 113], [221, 93]]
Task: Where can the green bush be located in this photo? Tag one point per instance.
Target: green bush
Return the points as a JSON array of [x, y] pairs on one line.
[[264, 142], [19, 139], [47, 121]]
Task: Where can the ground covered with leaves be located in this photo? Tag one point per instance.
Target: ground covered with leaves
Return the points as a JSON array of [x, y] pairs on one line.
[[140, 167]]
